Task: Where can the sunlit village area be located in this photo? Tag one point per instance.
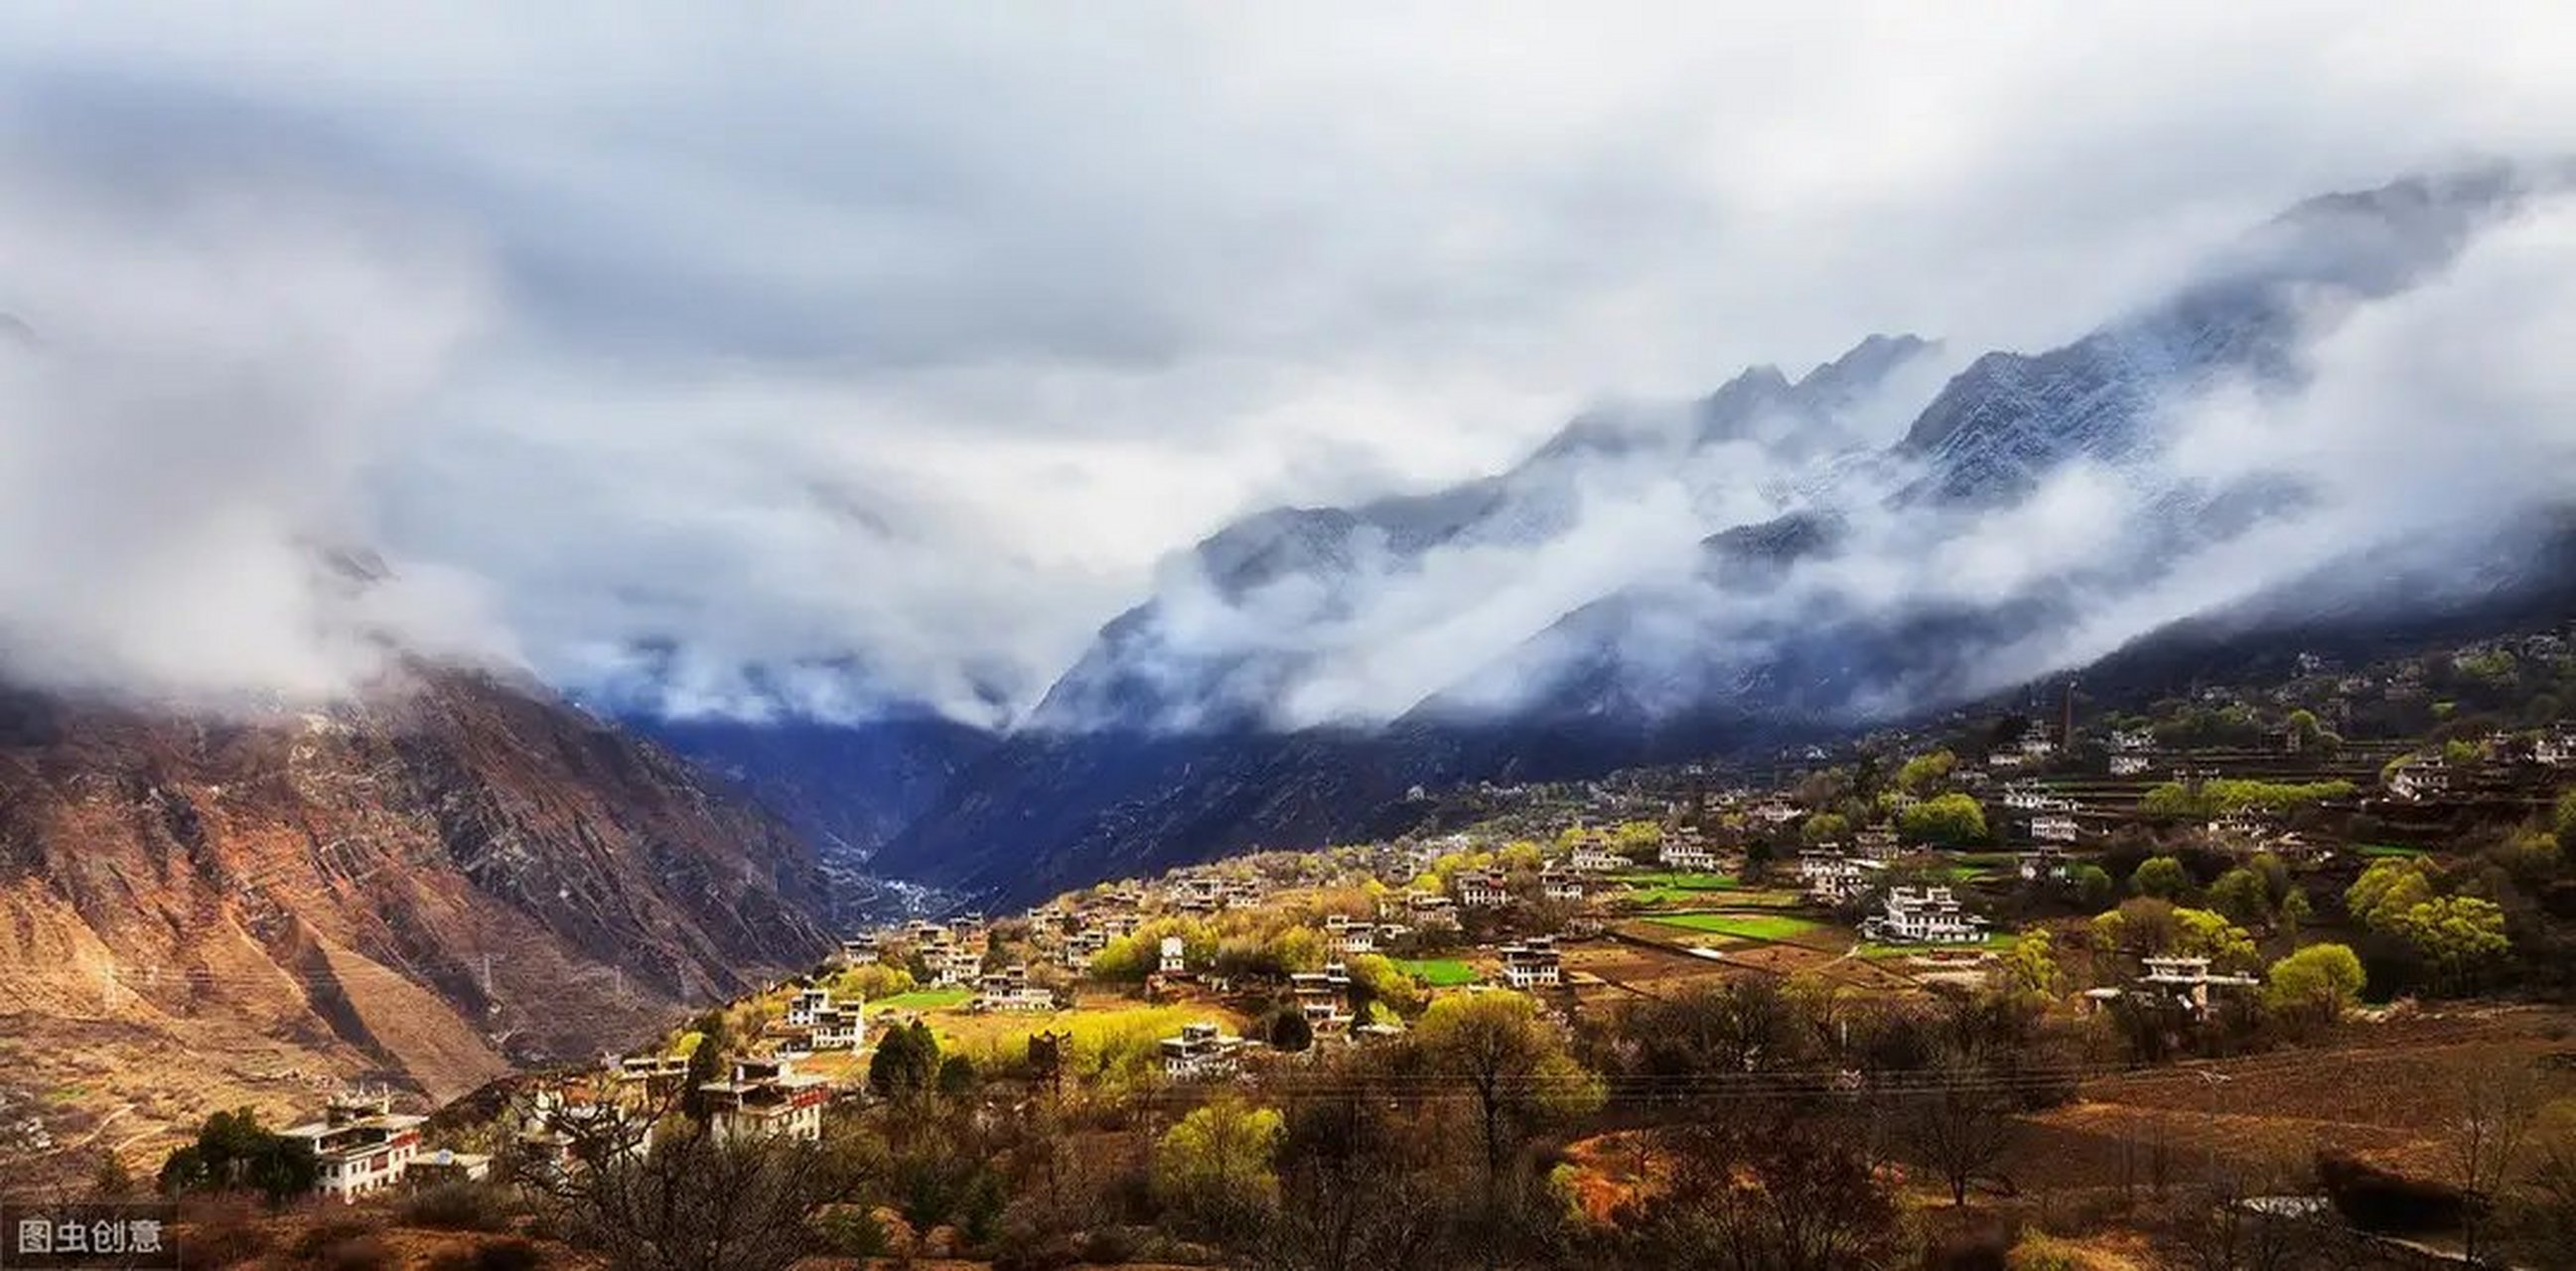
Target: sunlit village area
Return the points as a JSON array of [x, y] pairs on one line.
[[2268, 976]]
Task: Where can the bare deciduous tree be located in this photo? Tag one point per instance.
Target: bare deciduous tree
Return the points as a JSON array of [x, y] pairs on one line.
[[1958, 1119], [1774, 1198], [2495, 1107], [653, 1191]]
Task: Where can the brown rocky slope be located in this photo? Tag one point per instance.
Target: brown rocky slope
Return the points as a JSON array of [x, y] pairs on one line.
[[452, 876]]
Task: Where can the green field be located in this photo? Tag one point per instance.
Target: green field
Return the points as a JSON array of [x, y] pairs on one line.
[[1743, 926], [923, 999], [1444, 973], [2377, 851], [1987, 860], [1683, 882], [1657, 889]]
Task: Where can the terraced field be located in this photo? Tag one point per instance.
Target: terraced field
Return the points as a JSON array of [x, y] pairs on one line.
[[1743, 926], [1439, 973], [1657, 889], [922, 1000]]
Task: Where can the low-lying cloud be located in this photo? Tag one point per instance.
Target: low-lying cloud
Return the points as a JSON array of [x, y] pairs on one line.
[[189, 396], [821, 367], [2407, 429]]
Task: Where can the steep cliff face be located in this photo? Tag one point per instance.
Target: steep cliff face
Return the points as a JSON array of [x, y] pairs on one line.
[[421, 888]]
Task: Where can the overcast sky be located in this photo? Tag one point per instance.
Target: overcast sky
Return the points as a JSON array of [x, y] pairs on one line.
[[911, 337]]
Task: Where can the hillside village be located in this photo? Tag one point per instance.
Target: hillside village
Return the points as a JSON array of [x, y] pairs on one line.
[[2007, 966]]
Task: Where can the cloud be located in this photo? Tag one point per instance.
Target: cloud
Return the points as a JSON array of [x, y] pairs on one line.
[[189, 396], [878, 354], [2416, 432], [2409, 416]]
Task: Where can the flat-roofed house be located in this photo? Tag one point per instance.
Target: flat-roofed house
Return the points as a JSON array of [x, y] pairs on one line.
[[2419, 780], [1693, 858], [1431, 909], [443, 1166], [2187, 981], [766, 1098], [1834, 878], [1560, 885], [360, 1145], [1533, 963], [1009, 990], [1480, 888], [1323, 997], [1591, 858], [1925, 915], [1200, 1052]]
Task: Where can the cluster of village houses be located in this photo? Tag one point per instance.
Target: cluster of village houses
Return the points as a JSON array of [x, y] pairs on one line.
[[363, 1146], [2500, 767]]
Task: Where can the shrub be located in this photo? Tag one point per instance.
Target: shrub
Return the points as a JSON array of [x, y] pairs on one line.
[[2375, 1199], [2162, 877], [1109, 1246], [223, 1234], [322, 1235], [1983, 1249], [457, 1206], [499, 1255], [1046, 1253], [1288, 1030], [852, 1232], [2036, 1251], [363, 1252]]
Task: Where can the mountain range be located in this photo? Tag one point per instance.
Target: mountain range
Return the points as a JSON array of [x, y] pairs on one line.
[[1785, 558]]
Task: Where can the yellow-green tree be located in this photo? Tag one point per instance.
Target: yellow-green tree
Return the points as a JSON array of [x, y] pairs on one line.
[[2316, 984], [2241, 895], [1922, 773], [1953, 818], [2389, 888], [1379, 980], [1215, 1167], [2162, 877], [2201, 933], [1298, 949], [2029, 968], [2461, 936], [872, 981]]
